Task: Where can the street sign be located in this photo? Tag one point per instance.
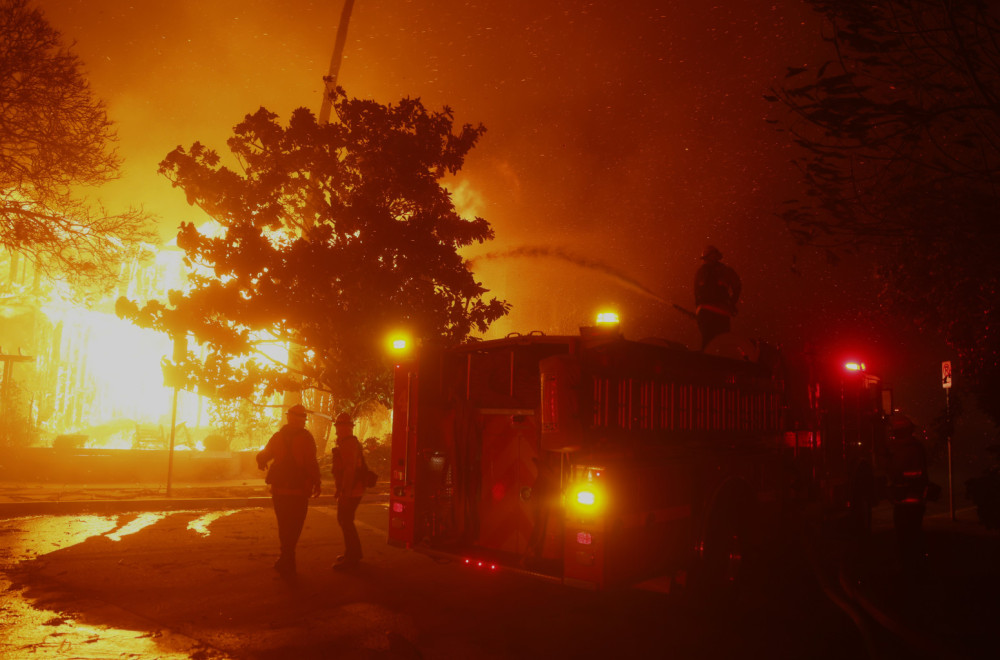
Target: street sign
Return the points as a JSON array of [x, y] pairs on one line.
[[946, 375]]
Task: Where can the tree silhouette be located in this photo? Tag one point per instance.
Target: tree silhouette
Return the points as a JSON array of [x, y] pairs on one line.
[[55, 137], [331, 235], [901, 139]]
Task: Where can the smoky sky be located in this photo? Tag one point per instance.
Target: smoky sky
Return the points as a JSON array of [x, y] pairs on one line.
[[626, 135]]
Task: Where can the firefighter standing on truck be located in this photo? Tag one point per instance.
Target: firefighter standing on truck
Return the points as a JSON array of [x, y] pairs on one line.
[[293, 477], [347, 462], [716, 291]]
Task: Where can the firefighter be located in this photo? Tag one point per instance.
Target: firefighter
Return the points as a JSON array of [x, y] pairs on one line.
[[716, 291], [908, 489], [347, 461], [293, 477], [544, 498]]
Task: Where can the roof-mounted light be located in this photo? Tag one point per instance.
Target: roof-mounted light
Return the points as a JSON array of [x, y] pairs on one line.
[[399, 345], [854, 366], [607, 318]]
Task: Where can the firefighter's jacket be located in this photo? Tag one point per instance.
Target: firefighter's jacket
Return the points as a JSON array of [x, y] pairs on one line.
[[717, 288], [347, 467], [908, 480], [292, 454]]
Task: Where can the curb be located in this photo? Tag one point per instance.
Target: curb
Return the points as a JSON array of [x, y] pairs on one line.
[[43, 508]]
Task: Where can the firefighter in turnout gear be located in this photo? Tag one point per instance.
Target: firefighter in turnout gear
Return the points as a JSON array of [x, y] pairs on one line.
[[716, 291], [909, 490], [348, 461], [293, 476]]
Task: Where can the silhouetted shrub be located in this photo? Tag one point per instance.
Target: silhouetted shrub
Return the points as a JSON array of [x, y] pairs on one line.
[[984, 490]]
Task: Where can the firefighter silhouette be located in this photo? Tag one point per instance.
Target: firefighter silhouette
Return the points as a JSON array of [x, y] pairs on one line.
[[908, 489], [716, 291]]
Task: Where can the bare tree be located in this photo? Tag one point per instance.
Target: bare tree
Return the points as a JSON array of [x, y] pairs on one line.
[[55, 138], [900, 133]]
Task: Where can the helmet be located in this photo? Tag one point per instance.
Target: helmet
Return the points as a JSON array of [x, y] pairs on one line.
[[343, 419], [298, 410], [711, 253], [901, 423]]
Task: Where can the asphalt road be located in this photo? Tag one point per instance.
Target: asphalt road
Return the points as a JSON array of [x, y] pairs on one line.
[[199, 584]]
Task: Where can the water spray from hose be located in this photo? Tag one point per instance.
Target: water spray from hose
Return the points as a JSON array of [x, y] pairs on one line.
[[528, 251]]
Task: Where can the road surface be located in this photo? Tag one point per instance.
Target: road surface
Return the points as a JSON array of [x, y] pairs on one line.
[[199, 584]]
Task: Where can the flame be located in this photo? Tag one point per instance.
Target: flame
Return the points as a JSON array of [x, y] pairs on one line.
[[105, 368], [102, 376], [117, 363]]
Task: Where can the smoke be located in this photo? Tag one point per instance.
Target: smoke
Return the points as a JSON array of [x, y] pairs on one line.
[[536, 252]]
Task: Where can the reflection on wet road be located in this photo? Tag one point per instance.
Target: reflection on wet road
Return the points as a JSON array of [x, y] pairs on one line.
[[141, 521], [29, 630], [200, 584], [200, 525]]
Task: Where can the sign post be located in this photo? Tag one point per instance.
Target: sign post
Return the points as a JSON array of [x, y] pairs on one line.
[[946, 384], [180, 354]]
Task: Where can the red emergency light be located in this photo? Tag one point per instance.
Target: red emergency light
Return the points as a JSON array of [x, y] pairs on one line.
[[476, 563], [854, 366]]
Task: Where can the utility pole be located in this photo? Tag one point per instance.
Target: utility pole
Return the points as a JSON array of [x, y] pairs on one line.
[[180, 354], [338, 54], [295, 358]]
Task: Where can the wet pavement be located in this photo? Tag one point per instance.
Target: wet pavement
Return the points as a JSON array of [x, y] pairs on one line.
[[946, 606], [19, 499], [155, 579], [199, 584], [41, 627]]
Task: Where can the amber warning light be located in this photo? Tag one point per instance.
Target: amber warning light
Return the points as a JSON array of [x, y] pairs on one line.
[[399, 344], [607, 318]]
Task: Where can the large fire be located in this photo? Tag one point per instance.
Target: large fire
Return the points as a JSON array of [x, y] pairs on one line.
[[96, 380]]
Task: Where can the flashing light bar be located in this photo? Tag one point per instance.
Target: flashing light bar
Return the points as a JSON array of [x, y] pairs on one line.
[[855, 366], [586, 497], [607, 318]]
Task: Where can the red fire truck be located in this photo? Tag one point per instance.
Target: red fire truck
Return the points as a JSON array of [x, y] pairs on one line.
[[598, 461]]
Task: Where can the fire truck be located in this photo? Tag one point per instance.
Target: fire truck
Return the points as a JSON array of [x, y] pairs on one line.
[[599, 462]]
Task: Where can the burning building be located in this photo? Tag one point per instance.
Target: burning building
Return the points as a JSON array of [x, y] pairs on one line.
[[77, 374]]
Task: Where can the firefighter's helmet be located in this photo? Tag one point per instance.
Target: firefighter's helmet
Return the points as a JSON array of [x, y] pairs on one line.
[[711, 253], [344, 419], [901, 427], [901, 423]]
